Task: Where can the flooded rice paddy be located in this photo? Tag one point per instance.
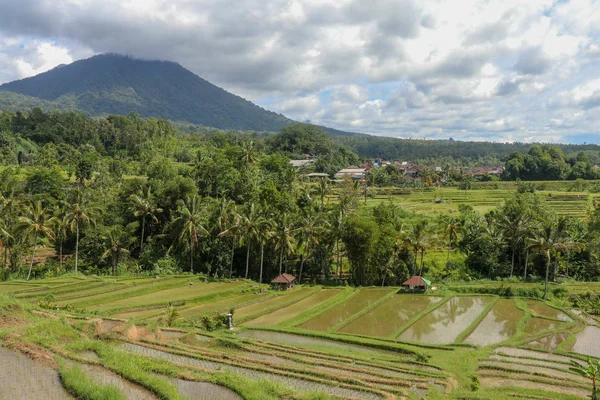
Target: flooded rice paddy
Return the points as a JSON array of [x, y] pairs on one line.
[[389, 316], [541, 309], [343, 311], [295, 309], [300, 340], [202, 390], [105, 377], [498, 325], [23, 378], [445, 323], [536, 325], [550, 342], [588, 342]]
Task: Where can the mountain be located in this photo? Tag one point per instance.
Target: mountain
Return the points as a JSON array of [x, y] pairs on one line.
[[116, 84]]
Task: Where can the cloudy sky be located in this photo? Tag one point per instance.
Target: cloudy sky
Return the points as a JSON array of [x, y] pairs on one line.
[[513, 70]]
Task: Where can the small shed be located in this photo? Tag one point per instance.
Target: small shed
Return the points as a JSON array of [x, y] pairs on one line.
[[416, 283], [284, 281]]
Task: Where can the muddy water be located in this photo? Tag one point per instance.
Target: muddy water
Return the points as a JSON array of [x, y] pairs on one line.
[[588, 342], [295, 309], [445, 323], [550, 342], [299, 340], [499, 324], [541, 309], [202, 390], [346, 309], [106, 377], [389, 316], [297, 384], [23, 379], [537, 325]]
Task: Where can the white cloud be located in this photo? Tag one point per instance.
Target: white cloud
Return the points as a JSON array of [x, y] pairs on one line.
[[496, 70]]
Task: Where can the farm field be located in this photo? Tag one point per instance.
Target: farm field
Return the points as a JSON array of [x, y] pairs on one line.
[[306, 343], [482, 197]]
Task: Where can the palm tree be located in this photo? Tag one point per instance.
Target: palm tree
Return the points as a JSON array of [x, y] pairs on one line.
[[307, 236], [115, 246], [61, 228], [265, 234], [80, 212], [514, 226], [228, 223], [36, 222], [248, 153], [143, 205], [551, 237], [189, 224], [250, 225], [452, 229], [285, 240], [4, 238], [418, 240], [322, 189]]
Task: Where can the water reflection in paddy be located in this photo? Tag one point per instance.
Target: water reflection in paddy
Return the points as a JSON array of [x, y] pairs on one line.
[[445, 323]]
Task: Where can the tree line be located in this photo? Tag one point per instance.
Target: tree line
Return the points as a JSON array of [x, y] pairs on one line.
[[132, 195]]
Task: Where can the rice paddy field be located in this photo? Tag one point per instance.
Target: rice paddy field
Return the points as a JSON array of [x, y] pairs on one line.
[[482, 197], [111, 337]]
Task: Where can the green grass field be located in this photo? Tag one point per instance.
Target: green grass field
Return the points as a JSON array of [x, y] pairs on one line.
[[306, 343]]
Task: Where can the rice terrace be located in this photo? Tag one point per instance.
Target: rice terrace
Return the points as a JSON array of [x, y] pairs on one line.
[[164, 337]]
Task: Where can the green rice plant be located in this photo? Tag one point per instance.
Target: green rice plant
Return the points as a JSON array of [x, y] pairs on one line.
[[82, 387]]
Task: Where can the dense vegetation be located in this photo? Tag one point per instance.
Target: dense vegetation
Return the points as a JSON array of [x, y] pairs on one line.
[[131, 194], [113, 84]]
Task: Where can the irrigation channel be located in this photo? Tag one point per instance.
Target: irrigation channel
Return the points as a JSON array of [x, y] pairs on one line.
[[147, 338]]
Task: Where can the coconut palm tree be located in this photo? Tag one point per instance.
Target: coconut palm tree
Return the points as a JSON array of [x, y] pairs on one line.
[[61, 229], [452, 229], [248, 152], [307, 234], [418, 239], [35, 223], [265, 234], [190, 224], [250, 225], [115, 246], [322, 189], [228, 224], [551, 237], [514, 226], [4, 238], [144, 206], [285, 239], [80, 211]]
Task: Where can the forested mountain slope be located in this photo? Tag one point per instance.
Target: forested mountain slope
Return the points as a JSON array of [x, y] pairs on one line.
[[114, 84]]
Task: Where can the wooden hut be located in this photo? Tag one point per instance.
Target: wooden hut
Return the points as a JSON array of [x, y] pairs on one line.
[[284, 281], [416, 284]]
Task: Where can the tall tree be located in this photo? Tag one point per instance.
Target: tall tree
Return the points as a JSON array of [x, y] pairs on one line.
[[228, 224], [80, 211], [549, 238], [285, 239], [190, 224], [250, 226], [36, 223], [514, 225], [307, 233], [452, 228], [144, 206], [115, 246]]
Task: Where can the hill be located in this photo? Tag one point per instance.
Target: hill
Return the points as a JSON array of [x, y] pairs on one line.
[[115, 84]]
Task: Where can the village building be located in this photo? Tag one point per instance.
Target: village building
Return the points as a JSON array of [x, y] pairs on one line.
[[284, 281], [301, 163], [416, 284], [352, 172]]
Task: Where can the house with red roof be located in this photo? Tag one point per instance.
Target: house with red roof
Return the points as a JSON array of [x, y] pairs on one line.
[[284, 281], [416, 283]]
